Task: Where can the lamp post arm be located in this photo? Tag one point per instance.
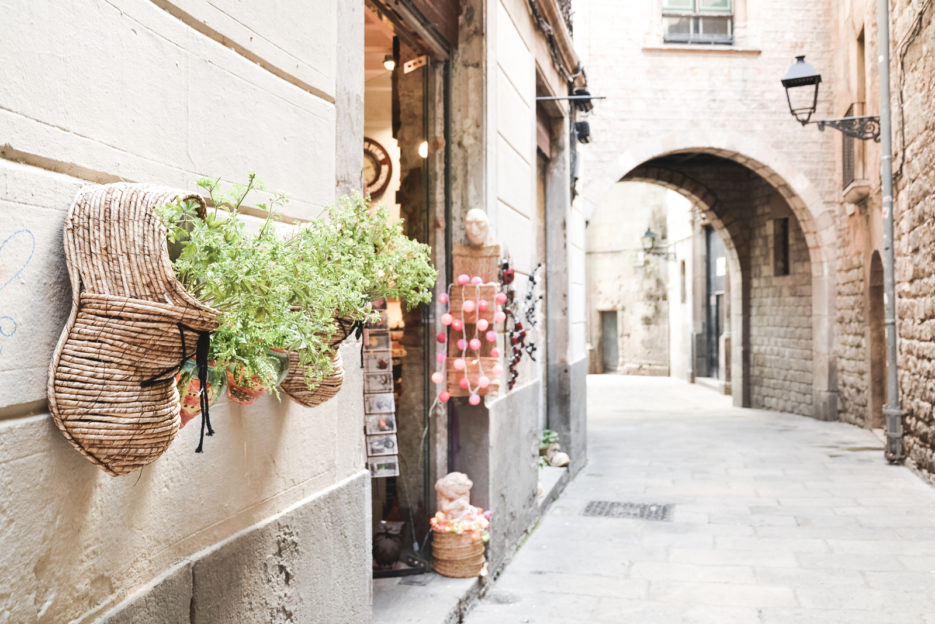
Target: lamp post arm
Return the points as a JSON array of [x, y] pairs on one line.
[[865, 127]]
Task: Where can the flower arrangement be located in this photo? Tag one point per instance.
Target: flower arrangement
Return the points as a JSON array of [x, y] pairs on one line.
[[281, 291], [476, 524]]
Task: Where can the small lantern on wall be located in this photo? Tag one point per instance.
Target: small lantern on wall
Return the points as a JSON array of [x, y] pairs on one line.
[[801, 83]]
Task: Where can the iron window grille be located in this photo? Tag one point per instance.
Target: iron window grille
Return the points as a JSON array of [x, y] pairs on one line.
[[698, 21]]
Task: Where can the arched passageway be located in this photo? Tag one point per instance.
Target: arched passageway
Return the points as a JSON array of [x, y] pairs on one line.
[[776, 335]]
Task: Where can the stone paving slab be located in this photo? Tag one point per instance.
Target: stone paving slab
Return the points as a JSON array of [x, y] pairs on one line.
[[777, 519]]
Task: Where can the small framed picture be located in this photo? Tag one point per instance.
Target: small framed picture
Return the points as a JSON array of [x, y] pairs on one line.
[[377, 339], [379, 403], [381, 445], [380, 423], [375, 383], [383, 466], [378, 360]]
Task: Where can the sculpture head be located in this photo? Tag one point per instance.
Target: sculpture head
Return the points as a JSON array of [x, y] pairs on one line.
[[477, 227], [454, 485]]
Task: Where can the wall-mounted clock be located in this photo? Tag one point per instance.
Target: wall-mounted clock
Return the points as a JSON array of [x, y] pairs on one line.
[[378, 168]]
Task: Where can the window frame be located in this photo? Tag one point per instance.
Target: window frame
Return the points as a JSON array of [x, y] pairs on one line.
[[695, 13]]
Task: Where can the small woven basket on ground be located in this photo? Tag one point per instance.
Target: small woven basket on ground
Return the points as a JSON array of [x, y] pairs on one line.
[[294, 384], [457, 555], [132, 325]]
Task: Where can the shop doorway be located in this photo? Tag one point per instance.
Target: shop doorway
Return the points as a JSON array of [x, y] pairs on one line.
[[399, 173]]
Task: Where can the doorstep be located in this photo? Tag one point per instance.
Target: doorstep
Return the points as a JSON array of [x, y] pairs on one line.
[[434, 599]]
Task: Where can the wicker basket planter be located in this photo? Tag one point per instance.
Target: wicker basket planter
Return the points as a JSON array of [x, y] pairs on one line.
[[294, 384], [132, 325], [457, 555]]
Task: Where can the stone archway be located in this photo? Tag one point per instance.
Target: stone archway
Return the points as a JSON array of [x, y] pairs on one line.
[[767, 342]]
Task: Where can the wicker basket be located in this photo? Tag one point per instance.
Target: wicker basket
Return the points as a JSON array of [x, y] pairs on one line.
[[111, 390], [457, 555], [294, 384]]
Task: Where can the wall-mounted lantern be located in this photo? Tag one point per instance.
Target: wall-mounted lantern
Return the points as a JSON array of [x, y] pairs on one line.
[[801, 83]]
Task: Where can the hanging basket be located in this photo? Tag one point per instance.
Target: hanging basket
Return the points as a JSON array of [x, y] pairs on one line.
[[457, 555], [132, 325], [294, 384]]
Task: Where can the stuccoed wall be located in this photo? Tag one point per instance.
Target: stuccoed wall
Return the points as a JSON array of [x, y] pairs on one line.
[[167, 92]]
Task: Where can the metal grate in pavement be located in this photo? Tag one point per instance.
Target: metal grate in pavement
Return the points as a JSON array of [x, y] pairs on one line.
[[640, 511]]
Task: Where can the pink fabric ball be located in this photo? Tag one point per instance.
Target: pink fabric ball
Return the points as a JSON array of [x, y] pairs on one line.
[[440, 358], [495, 352], [446, 319], [442, 297], [463, 279], [500, 298], [482, 325], [497, 370], [462, 344], [463, 383], [483, 382], [459, 364], [475, 344], [441, 337], [468, 306], [499, 317], [457, 325], [476, 280], [491, 336], [474, 399], [443, 396], [482, 305], [437, 377]]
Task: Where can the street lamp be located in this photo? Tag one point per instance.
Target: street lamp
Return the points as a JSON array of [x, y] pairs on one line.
[[648, 240], [801, 83]]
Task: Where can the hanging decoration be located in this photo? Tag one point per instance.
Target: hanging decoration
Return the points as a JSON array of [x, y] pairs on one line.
[[471, 364], [520, 317]]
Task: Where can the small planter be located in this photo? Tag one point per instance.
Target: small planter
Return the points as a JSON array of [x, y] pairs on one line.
[[189, 387], [247, 393], [457, 555], [294, 384]]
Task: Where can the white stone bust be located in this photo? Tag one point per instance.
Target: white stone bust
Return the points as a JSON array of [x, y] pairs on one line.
[[477, 227]]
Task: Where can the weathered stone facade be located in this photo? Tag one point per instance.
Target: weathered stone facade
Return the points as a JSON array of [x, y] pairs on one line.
[[913, 36]]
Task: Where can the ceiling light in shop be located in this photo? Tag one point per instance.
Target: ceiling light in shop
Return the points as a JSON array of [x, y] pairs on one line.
[[389, 62], [424, 149]]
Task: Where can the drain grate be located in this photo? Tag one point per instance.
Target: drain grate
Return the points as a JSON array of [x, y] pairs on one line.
[[640, 511]]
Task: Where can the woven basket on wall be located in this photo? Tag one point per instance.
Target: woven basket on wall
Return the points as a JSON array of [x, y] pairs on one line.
[[457, 555], [111, 380], [294, 384]]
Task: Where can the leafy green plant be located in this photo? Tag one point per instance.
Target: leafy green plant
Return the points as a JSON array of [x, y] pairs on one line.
[[283, 291], [547, 438]]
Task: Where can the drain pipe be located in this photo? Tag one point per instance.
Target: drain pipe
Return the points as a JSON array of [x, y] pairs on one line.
[[892, 412]]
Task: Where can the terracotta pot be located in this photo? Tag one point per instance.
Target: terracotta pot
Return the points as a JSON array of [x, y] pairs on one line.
[[246, 394], [189, 387]]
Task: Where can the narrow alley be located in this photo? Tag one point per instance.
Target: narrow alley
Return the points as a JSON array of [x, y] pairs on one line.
[[773, 518]]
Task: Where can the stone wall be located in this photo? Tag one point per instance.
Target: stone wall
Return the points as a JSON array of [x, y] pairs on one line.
[[780, 311], [166, 92], [915, 235]]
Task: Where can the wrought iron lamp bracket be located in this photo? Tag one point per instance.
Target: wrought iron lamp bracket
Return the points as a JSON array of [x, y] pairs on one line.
[[865, 127]]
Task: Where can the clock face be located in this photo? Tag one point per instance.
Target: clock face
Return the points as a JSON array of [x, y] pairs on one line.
[[377, 168]]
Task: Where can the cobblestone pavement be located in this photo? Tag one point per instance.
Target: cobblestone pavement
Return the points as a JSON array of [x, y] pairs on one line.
[[777, 518]]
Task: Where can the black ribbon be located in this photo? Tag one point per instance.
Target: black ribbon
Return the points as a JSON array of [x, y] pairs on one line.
[[201, 359]]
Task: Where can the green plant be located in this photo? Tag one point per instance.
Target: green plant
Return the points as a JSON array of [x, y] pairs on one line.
[[283, 291], [547, 438]]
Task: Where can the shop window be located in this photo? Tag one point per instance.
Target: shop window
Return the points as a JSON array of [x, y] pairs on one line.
[[781, 246], [698, 21]]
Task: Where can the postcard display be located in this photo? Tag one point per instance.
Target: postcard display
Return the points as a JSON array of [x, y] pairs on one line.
[[379, 404]]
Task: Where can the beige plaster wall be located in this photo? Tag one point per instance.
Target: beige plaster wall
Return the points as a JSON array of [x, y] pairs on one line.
[[156, 92]]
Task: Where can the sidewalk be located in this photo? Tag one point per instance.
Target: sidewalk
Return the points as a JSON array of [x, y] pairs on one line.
[[774, 519]]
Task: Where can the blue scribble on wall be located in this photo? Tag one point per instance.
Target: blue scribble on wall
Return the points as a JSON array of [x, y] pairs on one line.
[[13, 253]]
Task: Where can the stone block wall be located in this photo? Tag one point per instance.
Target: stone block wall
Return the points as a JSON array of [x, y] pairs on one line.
[[914, 212], [166, 92], [780, 311]]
